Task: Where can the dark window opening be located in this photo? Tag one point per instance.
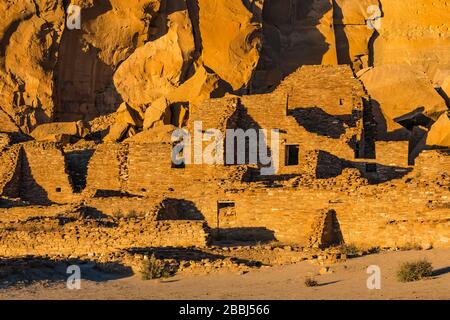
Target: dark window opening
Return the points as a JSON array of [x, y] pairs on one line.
[[225, 204], [292, 155], [357, 150], [77, 163], [58, 190]]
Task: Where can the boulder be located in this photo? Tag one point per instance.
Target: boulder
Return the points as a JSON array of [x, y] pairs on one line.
[[197, 88], [117, 132], [445, 87], [439, 134], [59, 131], [401, 91], [126, 114], [157, 134], [157, 114], [127, 122]]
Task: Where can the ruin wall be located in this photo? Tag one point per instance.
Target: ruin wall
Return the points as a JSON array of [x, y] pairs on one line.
[[44, 175], [46, 236]]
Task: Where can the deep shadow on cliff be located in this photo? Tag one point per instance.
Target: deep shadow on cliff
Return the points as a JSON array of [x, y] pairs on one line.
[[291, 38]]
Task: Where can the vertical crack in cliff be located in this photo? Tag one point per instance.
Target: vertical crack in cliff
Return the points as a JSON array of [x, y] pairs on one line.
[[36, 7], [194, 16]]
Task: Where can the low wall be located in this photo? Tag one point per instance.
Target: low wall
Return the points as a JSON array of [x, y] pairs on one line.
[[47, 236]]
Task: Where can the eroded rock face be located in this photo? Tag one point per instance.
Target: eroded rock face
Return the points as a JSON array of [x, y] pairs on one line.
[[295, 33], [354, 23], [401, 93], [414, 33], [139, 51], [135, 51], [445, 87], [439, 134], [158, 67], [119, 27], [88, 58], [230, 40], [6, 123], [29, 37], [153, 71]]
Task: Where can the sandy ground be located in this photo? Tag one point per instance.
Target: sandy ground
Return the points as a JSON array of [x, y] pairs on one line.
[[348, 281]]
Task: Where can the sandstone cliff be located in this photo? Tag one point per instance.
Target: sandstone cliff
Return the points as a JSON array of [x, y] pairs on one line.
[[140, 51], [135, 51]]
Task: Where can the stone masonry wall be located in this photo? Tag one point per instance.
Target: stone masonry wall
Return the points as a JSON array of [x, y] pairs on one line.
[[431, 164], [44, 176], [392, 153], [339, 95], [10, 168], [51, 231], [104, 168], [291, 133], [366, 218]]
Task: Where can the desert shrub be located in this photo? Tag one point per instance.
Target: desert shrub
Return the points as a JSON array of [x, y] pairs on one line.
[[153, 268], [277, 244], [117, 214], [132, 214], [414, 271], [374, 250], [311, 282], [410, 246], [349, 249]]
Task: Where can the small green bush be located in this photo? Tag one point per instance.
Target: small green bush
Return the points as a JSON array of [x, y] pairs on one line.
[[153, 268], [414, 271], [311, 282]]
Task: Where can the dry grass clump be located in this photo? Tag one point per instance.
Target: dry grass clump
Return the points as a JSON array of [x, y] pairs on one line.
[[411, 246], [311, 282], [414, 271], [350, 250], [153, 268]]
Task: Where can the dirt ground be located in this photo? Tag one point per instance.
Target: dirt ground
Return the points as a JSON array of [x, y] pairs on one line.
[[347, 281]]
